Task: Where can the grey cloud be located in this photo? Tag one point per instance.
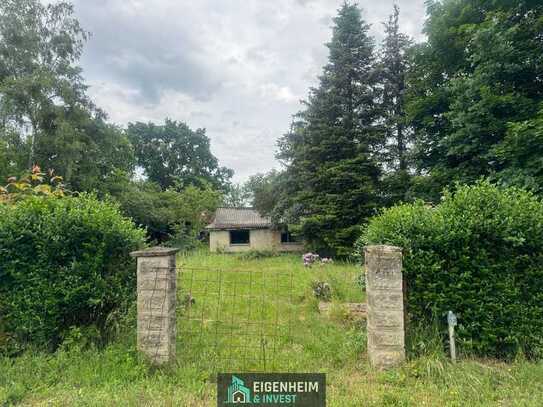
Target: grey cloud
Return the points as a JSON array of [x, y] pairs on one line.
[[148, 55], [257, 54], [200, 115], [237, 68], [305, 2], [326, 20]]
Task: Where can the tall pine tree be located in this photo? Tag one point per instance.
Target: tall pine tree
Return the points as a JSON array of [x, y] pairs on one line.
[[330, 152], [393, 66]]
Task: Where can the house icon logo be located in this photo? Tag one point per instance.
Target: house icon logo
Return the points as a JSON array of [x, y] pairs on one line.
[[238, 393]]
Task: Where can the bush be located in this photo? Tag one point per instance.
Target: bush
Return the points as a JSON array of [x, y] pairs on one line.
[[64, 264], [175, 216], [322, 290], [478, 253]]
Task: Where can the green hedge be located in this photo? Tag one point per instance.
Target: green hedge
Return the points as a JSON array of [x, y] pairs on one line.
[[63, 263], [478, 253]]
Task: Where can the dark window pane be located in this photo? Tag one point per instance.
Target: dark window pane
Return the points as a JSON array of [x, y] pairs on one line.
[[239, 237], [286, 237]]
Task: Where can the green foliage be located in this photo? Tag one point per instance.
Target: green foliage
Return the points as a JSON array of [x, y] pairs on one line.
[[36, 183], [266, 191], [65, 264], [398, 225], [360, 281], [480, 254], [479, 71], [332, 172], [425, 339], [46, 117], [174, 155], [237, 196], [392, 66], [5, 169], [521, 154], [178, 216], [322, 290]]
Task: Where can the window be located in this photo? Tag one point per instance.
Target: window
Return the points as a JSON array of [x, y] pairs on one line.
[[239, 237], [286, 237]]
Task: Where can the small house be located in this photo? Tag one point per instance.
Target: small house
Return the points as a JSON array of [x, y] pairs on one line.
[[244, 229]]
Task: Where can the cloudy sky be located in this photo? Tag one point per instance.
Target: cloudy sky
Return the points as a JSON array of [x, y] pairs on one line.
[[235, 67]]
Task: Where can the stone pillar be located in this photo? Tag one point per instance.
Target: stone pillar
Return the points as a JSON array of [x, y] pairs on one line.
[[384, 289], [156, 303]]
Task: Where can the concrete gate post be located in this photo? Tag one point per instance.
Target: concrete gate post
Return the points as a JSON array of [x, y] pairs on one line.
[[156, 288], [385, 319]]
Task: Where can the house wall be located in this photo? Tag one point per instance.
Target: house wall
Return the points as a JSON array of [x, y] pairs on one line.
[[284, 247], [219, 240], [260, 239]]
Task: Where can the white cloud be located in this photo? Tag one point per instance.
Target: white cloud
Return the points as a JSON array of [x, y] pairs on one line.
[[236, 67]]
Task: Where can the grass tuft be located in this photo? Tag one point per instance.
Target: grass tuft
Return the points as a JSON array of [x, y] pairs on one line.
[[335, 344]]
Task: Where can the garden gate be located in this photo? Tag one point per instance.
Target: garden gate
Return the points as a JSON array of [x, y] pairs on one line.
[[235, 319], [219, 318]]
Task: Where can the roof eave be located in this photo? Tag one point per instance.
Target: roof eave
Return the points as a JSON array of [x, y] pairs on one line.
[[237, 227]]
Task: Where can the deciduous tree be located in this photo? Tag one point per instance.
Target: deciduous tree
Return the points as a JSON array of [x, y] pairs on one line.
[[481, 69], [45, 113], [173, 154]]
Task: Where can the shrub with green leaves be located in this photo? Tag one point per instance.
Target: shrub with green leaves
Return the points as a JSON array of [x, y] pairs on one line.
[[322, 290], [64, 263], [174, 215], [478, 253]]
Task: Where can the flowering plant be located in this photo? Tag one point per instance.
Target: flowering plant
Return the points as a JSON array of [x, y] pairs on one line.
[[309, 259], [35, 183]]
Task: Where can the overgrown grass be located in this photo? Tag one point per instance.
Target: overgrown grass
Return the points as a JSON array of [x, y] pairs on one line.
[[261, 315], [117, 375]]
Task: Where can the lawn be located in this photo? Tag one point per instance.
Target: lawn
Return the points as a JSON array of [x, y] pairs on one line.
[[261, 314], [265, 318]]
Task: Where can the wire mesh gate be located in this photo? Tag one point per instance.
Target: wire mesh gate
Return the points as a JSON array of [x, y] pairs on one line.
[[235, 320]]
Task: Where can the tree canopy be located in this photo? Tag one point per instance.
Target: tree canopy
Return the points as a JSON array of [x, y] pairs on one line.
[[409, 119], [48, 120], [173, 154], [46, 117], [385, 124], [480, 70]]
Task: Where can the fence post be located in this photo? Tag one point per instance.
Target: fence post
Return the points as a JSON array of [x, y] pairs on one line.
[[385, 319], [156, 276]]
